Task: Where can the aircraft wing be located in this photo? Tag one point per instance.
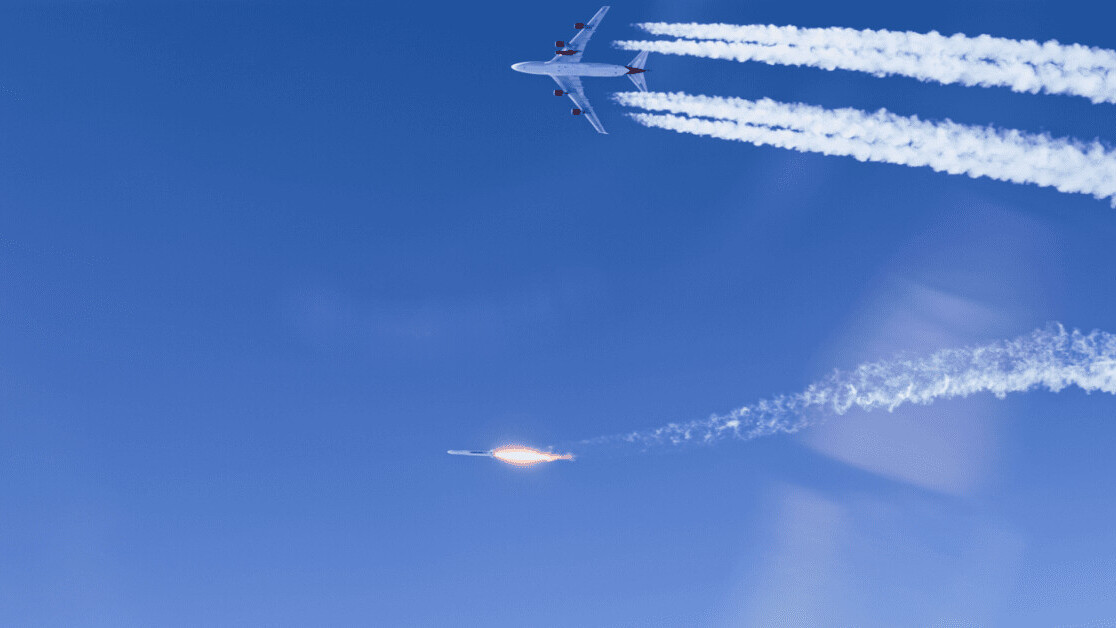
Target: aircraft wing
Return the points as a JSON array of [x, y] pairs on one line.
[[581, 39], [572, 86]]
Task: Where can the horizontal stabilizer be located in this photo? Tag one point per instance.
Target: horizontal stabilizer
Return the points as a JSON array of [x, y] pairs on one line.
[[636, 69]]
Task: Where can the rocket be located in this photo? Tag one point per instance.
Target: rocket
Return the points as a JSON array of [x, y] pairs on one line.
[[521, 456]]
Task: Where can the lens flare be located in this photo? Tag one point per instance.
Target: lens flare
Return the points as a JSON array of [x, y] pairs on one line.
[[525, 456]]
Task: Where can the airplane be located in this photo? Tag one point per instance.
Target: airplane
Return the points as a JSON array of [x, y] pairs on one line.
[[566, 69]]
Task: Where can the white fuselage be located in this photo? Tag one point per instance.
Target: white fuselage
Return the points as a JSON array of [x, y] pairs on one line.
[[570, 69]]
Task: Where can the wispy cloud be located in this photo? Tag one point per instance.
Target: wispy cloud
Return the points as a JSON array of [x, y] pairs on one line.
[[1023, 66], [1051, 358], [1004, 154]]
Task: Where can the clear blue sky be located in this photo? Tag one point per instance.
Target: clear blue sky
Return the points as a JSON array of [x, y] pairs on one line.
[[263, 263]]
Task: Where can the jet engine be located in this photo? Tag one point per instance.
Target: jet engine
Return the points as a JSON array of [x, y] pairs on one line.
[[559, 44], [576, 112], [559, 92], [568, 52], [579, 26]]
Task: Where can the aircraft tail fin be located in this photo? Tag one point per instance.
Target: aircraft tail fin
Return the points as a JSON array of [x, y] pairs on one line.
[[636, 68]]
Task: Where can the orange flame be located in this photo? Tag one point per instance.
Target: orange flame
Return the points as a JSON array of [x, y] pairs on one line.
[[525, 456]]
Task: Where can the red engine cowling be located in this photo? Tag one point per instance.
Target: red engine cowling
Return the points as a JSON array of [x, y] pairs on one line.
[[559, 44], [576, 112], [559, 92], [579, 26], [568, 52]]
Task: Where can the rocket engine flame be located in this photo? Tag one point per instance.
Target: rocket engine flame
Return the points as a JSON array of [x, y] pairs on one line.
[[525, 456]]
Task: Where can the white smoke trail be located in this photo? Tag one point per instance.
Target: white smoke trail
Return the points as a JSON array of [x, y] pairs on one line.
[[1050, 358], [1024, 66], [1006, 155]]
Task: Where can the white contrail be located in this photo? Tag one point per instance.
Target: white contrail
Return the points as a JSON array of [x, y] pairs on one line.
[[1023, 66], [1050, 358], [1006, 155]]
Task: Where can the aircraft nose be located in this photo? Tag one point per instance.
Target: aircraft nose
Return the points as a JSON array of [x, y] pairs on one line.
[[518, 67]]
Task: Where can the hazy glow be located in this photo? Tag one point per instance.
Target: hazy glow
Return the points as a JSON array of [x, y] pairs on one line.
[[525, 456]]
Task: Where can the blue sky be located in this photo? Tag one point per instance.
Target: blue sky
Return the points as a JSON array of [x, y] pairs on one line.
[[263, 263]]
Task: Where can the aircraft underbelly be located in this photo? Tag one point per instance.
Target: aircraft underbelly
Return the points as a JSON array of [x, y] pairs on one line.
[[589, 69]]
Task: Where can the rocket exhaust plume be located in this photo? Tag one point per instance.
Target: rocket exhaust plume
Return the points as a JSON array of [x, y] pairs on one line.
[[1003, 154], [516, 455], [525, 456], [1050, 358], [1023, 66]]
